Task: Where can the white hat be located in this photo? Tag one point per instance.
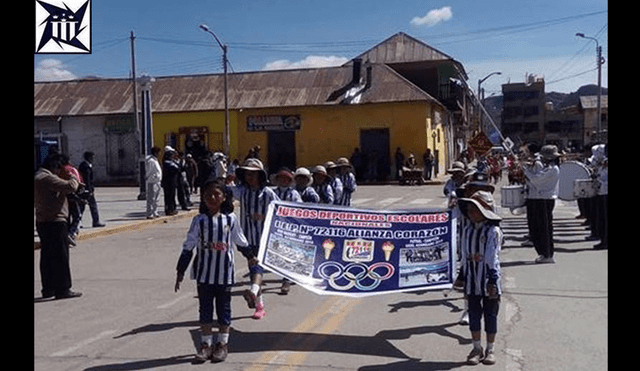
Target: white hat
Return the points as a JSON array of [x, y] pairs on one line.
[[484, 202], [304, 172]]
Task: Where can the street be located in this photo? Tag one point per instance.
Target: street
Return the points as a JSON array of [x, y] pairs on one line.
[[552, 316]]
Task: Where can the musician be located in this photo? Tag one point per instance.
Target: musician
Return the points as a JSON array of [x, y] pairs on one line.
[[600, 165], [542, 179]]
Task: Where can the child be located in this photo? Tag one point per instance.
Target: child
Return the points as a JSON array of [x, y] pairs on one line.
[[254, 197], [480, 271], [283, 180], [348, 181], [322, 185], [303, 180], [212, 233]]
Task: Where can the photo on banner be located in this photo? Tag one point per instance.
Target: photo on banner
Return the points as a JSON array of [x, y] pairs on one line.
[[355, 252]]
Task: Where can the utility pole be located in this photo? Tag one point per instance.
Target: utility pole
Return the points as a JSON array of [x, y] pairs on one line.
[[140, 131], [599, 63]]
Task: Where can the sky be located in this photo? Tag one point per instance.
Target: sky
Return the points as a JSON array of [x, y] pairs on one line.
[[515, 38]]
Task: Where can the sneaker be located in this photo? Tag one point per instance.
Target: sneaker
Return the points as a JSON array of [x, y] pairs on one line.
[[250, 297], [542, 260], [464, 319], [259, 313], [489, 358], [475, 356], [284, 290], [220, 353], [204, 353]]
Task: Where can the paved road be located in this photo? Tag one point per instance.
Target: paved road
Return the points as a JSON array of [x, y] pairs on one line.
[[552, 317]]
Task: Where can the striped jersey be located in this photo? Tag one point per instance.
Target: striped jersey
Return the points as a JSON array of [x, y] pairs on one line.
[[325, 192], [308, 194], [348, 187], [213, 238], [288, 194], [480, 263], [253, 210]]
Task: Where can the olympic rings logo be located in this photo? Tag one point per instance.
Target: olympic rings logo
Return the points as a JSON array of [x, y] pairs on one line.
[[355, 274]]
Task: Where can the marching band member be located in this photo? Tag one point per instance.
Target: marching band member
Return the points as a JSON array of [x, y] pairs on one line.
[[600, 164], [542, 186]]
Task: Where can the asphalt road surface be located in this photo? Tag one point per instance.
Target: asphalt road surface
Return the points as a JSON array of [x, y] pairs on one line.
[[552, 316]]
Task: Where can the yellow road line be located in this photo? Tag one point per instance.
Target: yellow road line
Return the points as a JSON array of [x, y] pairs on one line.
[[309, 322]]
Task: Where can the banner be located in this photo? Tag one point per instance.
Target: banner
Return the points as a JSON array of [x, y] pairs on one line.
[[346, 251]]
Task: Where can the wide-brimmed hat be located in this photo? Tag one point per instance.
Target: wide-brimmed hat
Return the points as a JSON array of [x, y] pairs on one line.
[[168, 149], [303, 172], [549, 152], [479, 180], [343, 162], [251, 164], [330, 165], [484, 202], [319, 170], [456, 166]]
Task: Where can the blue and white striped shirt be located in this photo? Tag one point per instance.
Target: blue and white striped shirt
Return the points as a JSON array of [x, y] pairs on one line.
[[480, 263], [348, 187], [288, 194], [253, 210], [308, 194], [213, 238]]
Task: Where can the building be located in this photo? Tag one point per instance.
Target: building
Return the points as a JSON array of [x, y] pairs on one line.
[[523, 111], [400, 93]]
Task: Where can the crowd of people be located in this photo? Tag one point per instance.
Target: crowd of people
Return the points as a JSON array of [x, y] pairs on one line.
[[216, 228]]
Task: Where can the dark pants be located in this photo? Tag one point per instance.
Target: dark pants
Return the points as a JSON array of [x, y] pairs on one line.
[[221, 295], [540, 221], [169, 199], [54, 258], [601, 223], [93, 208], [480, 306]]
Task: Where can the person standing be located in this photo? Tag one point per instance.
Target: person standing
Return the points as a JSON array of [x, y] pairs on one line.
[[52, 184], [302, 178], [543, 180], [170, 179], [427, 157], [86, 171], [153, 178], [213, 233], [349, 186], [601, 174], [480, 274], [322, 186]]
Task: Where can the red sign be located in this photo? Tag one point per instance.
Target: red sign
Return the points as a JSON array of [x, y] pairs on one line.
[[480, 144]]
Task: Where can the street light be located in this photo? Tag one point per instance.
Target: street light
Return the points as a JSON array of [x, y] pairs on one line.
[[227, 140], [599, 62], [481, 100]]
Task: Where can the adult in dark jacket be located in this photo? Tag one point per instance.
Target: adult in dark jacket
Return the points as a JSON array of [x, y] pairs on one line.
[[86, 171], [170, 178]]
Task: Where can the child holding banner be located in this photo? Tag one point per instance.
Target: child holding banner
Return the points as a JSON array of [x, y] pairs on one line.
[[212, 233], [480, 271], [254, 197]]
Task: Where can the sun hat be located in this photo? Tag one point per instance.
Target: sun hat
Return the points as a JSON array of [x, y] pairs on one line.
[[343, 161], [456, 166], [484, 202], [251, 164], [478, 179], [319, 170], [549, 152], [303, 172]]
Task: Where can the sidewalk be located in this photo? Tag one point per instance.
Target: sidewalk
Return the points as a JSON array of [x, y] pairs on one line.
[[120, 210]]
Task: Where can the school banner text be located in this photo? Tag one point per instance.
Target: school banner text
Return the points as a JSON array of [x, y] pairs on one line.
[[346, 251]]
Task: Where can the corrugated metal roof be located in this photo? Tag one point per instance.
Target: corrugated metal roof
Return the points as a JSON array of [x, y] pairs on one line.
[[283, 88]]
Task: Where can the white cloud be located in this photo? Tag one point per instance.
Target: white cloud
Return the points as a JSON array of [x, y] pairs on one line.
[[52, 70], [312, 61], [434, 17]]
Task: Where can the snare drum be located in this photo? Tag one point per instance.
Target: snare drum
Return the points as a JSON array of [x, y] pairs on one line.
[[512, 196], [584, 188]]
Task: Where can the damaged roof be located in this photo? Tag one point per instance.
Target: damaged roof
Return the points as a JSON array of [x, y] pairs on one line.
[[377, 83]]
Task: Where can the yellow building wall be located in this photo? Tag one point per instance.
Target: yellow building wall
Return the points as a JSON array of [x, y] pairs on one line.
[[327, 133], [173, 122]]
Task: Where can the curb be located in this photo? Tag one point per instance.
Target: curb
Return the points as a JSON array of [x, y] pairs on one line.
[[134, 225]]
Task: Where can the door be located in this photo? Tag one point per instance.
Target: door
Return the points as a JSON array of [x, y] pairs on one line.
[[282, 150], [375, 148]]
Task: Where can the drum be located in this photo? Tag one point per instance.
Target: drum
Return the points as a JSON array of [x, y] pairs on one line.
[[512, 196], [584, 188], [569, 172]]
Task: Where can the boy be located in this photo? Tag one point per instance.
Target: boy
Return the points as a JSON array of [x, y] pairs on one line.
[[480, 271]]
